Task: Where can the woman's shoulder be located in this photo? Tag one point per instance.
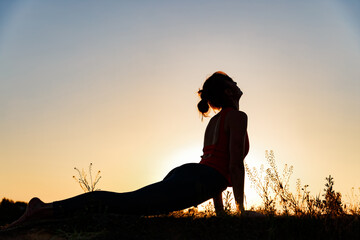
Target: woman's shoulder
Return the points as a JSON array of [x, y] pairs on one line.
[[236, 119], [237, 115]]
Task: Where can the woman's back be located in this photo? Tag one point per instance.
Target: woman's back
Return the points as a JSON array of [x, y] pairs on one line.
[[216, 151], [213, 129]]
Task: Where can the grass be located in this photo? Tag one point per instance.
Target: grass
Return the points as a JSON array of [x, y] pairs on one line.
[[192, 227]]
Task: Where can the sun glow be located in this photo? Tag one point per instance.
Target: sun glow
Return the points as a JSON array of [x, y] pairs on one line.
[[188, 154]]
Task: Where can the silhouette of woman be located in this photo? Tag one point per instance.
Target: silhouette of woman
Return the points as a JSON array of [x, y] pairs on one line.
[[225, 146]]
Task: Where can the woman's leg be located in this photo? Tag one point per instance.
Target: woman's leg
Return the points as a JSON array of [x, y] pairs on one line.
[[183, 187]]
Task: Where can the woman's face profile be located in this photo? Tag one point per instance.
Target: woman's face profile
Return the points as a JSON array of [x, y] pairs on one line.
[[235, 92]]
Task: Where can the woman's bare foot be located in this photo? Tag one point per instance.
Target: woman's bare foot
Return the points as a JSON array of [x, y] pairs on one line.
[[35, 210]]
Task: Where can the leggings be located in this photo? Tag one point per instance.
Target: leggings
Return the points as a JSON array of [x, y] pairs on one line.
[[183, 187]]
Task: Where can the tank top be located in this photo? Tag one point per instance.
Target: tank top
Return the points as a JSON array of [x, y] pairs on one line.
[[219, 153]]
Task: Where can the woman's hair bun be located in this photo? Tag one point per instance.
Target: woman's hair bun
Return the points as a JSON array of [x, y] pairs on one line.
[[203, 106]]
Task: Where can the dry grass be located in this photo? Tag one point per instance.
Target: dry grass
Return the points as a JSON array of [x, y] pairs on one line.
[[273, 189]]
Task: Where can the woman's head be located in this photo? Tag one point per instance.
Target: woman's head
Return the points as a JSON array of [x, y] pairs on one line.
[[218, 91]]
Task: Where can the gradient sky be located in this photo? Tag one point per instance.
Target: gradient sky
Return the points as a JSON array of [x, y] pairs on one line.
[[114, 83]]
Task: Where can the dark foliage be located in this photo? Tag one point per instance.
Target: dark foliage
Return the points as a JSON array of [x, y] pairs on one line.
[[10, 210]]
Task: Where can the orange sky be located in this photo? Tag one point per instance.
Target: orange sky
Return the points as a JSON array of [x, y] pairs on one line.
[[115, 84]]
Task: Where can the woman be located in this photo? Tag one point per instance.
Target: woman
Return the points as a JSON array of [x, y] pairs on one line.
[[225, 146]]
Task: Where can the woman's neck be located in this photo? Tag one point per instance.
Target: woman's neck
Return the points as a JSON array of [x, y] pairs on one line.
[[234, 105]]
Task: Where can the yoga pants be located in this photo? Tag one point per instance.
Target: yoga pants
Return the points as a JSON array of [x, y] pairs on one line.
[[183, 187]]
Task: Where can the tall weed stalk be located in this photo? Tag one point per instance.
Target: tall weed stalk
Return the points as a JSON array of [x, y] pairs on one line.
[[87, 186]]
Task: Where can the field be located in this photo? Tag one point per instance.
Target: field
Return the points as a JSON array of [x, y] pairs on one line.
[[282, 215]]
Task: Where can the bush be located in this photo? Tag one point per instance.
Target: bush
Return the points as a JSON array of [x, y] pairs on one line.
[[10, 210]]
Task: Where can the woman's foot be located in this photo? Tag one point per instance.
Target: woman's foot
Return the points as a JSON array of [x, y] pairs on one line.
[[35, 210]]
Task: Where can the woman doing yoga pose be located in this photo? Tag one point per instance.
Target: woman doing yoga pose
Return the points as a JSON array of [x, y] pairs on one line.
[[225, 146]]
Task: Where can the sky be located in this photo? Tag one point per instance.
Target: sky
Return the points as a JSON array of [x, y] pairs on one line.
[[114, 83]]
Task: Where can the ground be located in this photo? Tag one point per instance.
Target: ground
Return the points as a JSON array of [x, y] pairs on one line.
[[227, 227]]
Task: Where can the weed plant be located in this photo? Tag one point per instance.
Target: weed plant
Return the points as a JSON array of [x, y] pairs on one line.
[[353, 206], [87, 186]]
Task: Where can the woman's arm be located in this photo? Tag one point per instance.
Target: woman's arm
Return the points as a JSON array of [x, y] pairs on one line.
[[237, 130], [238, 181], [218, 204]]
